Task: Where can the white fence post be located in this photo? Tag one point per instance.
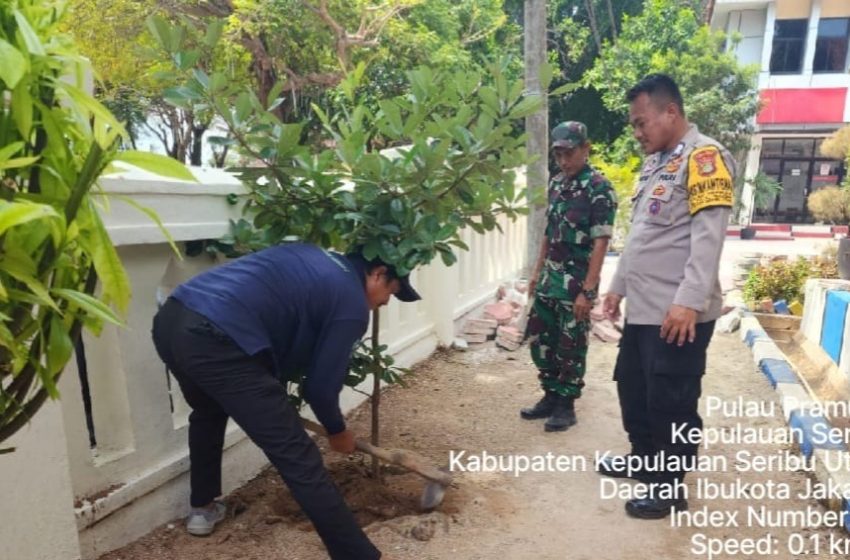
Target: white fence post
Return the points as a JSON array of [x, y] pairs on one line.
[[443, 290]]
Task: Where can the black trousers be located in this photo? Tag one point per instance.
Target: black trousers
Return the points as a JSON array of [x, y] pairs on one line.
[[659, 386], [220, 381]]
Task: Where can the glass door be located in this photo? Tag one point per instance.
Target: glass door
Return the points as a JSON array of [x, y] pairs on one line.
[[791, 203]]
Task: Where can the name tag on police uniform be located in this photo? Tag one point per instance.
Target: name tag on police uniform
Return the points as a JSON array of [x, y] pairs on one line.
[[709, 180]]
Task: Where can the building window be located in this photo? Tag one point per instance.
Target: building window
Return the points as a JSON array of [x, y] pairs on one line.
[[789, 44], [799, 147], [831, 50]]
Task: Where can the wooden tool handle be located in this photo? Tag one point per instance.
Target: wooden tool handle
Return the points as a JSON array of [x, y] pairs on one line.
[[403, 458]]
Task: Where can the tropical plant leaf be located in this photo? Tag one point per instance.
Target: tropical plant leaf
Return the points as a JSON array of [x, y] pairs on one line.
[[13, 65], [155, 219], [157, 163], [17, 213], [89, 304]]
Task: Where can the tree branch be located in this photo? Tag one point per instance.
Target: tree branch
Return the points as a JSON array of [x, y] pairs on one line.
[[367, 33]]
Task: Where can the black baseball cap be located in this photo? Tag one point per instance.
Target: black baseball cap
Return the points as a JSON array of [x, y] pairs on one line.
[[406, 293]]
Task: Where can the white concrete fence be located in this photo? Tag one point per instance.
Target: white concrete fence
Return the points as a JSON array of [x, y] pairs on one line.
[[75, 491]]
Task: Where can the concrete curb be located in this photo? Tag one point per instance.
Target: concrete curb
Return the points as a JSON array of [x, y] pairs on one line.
[[798, 407]]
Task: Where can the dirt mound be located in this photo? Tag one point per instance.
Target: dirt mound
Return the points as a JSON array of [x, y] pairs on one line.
[[369, 499]]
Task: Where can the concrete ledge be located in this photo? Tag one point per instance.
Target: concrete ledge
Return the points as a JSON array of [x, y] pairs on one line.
[[827, 461], [749, 323], [766, 350], [147, 503], [793, 397]]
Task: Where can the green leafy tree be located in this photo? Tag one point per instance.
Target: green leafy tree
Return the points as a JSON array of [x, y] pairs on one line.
[[623, 177], [55, 142], [668, 36], [305, 46], [130, 71], [838, 146], [573, 48], [830, 205]]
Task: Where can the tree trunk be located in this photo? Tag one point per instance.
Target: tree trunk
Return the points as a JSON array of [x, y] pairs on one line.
[[613, 22], [708, 12], [537, 124], [219, 157], [263, 68], [196, 153], [591, 15], [376, 396]]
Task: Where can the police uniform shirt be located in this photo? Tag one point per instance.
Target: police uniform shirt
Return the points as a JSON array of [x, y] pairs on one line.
[[679, 216]]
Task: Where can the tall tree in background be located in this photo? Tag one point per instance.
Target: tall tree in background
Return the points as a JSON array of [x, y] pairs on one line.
[[297, 50], [130, 72], [668, 36], [572, 50]]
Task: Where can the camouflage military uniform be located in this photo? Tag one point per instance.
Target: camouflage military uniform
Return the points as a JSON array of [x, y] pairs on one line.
[[580, 210]]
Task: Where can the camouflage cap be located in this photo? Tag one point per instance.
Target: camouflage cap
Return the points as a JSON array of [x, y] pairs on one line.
[[569, 134]]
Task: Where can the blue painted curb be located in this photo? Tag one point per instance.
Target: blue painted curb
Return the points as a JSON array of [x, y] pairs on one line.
[[777, 371], [753, 335], [814, 428]]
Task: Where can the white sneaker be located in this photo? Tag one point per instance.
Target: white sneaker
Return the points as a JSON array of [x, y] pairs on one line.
[[202, 521]]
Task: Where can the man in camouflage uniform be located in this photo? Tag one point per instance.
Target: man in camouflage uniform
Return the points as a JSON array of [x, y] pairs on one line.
[[580, 219]]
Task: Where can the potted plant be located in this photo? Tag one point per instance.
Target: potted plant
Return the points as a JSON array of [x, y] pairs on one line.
[[831, 205]]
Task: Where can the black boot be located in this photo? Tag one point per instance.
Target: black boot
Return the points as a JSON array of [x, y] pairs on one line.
[[543, 408], [654, 508], [663, 499], [563, 415], [617, 467]]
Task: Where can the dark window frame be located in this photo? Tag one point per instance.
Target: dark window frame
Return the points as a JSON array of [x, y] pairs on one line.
[[827, 69], [786, 42]]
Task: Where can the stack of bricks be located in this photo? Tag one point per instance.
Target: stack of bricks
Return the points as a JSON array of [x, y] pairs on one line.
[[505, 320], [477, 331], [502, 312], [509, 338]]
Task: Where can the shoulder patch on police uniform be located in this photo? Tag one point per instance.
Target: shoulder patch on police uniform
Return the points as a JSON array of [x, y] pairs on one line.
[[709, 180]]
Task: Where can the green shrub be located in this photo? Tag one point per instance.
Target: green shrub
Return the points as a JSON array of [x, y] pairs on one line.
[[623, 177], [785, 279]]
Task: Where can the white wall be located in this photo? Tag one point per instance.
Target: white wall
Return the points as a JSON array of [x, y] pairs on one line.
[[749, 25]]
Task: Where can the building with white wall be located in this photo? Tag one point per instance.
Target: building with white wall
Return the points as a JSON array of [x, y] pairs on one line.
[[801, 48]]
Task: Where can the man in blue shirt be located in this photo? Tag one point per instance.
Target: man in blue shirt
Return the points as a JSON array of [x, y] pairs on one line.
[[226, 333]]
